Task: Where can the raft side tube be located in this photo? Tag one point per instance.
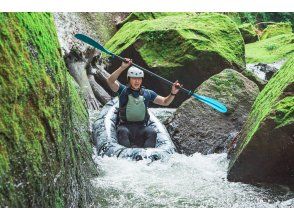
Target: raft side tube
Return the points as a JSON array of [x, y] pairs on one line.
[[105, 137]]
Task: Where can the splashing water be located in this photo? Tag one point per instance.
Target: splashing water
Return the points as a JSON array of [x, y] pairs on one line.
[[196, 181], [182, 181]]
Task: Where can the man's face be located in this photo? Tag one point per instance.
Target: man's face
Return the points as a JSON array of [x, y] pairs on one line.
[[135, 82]]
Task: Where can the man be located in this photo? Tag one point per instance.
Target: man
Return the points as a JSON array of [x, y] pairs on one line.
[[133, 103]]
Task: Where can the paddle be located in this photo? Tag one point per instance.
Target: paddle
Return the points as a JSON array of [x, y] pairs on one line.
[[209, 101]]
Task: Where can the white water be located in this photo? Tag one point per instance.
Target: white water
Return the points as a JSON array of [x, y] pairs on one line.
[[182, 181], [259, 73]]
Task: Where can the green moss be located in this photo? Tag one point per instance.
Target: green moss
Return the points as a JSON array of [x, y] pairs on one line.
[[284, 112], [276, 29], [234, 16], [268, 104], [249, 33], [270, 50], [59, 203], [227, 87], [141, 16], [251, 76], [175, 41], [39, 113]]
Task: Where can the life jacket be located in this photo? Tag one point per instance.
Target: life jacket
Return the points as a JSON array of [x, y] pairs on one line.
[[135, 109]]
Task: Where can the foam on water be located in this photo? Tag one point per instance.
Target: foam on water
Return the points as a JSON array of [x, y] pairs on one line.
[[196, 181], [182, 181]]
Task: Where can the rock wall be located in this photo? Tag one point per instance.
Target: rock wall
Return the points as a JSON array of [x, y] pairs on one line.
[[264, 151], [81, 59], [45, 148]]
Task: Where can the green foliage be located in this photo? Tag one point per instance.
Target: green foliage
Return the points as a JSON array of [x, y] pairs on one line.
[[270, 50], [256, 17], [40, 109]]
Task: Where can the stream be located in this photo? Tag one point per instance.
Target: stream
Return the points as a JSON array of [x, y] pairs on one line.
[[182, 181]]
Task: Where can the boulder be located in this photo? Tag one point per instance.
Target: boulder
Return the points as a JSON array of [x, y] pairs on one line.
[[141, 16], [45, 143], [270, 50], [249, 33], [253, 76], [264, 150], [196, 127], [276, 29], [188, 48]]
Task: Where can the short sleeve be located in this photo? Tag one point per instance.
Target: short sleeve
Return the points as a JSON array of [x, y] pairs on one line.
[[120, 88], [153, 95]]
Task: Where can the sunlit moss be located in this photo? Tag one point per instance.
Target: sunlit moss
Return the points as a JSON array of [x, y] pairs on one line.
[[276, 29], [270, 50], [44, 138], [174, 41], [273, 102]]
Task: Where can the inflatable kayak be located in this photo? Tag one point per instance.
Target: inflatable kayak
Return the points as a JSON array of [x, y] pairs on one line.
[[105, 137]]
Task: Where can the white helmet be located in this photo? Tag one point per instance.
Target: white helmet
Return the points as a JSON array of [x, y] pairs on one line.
[[135, 72]]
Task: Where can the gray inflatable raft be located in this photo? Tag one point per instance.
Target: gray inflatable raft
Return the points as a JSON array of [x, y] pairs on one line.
[[105, 137]]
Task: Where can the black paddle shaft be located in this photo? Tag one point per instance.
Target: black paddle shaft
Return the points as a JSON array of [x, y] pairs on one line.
[[189, 92]]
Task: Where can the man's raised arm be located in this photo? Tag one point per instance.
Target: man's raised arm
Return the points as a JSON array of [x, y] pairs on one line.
[[112, 79], [165, 101]]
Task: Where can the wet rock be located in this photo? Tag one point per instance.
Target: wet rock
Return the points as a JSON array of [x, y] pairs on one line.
[[252, 75], [45, 148], [267, 69], [162, 113], [188, 48], [196, 127], [262, 72], [76, 62], [264, 150], [83, 61], [99, 26]]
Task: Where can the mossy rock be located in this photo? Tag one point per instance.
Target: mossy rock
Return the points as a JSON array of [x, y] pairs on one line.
[[251, 76], [248, 32], [196, 127], [276, 29], [141, 16], [188, 48], [270, 50], [45, 148], [264, 150]]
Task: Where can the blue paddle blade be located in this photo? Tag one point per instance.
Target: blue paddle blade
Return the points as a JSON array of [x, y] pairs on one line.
[[92, 42], [211, 102]]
